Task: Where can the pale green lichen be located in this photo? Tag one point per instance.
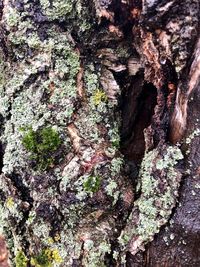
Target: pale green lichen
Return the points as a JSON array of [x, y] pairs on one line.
[[96, 255], [189, 139], [159, 183], [91, 80], [2, 74], [41, 229], [12, 17], [57, 9], [2, 219], [40, 89], [33, 41], [64, 10], [112, 190], [169, 159], [24, 113], [27, 107], [116, 165], [114, 135], [88, 244]]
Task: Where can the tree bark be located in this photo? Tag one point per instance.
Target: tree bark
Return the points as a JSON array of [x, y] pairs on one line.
[[99, 133]]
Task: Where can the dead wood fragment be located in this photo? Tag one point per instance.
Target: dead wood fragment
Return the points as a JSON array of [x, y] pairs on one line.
[[80, 84], [109, 85], [76, 140], [179, 117]]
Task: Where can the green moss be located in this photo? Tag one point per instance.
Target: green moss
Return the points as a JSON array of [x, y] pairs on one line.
[[92, 184], [42, 143], [21, 259], [46, 258], [41, 260]]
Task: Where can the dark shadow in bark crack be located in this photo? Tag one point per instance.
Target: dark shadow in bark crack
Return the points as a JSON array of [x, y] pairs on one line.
[[1, 157], [138, 106]]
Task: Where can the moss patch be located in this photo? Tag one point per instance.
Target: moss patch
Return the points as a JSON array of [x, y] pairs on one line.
[[21, 259], [46, 258], [42, 144], [92, 184]]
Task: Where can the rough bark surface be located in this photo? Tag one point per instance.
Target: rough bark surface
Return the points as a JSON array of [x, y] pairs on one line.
[[99, 133]]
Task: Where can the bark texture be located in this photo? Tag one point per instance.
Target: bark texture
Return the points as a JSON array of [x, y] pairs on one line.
[[99, 132]]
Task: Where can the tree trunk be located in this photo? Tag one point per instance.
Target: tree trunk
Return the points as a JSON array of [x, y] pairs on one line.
[[99, 133]]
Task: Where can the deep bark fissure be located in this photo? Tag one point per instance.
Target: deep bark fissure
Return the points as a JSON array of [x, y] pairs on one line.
[[1, 145], [25, 197], [1, 157], [137, 110], [24, 193]]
